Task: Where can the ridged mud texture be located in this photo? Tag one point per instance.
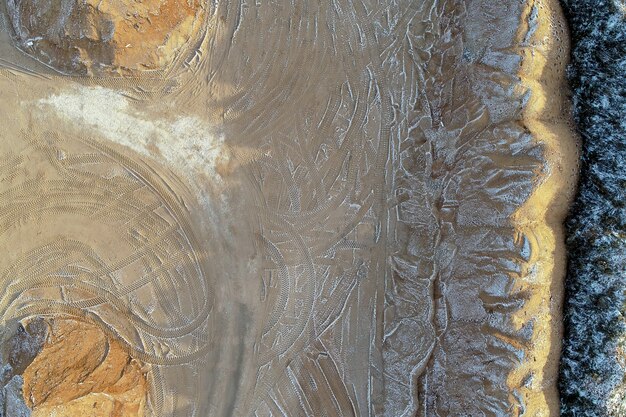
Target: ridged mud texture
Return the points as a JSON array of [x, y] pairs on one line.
[[505, 173], [330, 208], [81, 37], [593, 368]]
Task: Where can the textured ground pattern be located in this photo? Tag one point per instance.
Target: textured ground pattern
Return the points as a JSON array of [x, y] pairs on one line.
[[320, 208], [593, 364]]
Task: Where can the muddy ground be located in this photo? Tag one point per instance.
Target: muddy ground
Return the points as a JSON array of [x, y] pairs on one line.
[[301, 208]]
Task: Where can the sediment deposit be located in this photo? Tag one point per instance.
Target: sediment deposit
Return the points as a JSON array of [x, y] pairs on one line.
[[350, 208]]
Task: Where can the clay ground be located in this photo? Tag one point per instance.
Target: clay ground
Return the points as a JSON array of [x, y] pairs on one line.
[[349, 208]]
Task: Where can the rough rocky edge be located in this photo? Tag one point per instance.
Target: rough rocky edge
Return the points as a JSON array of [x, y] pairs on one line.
[[94, 37], [65, 367]]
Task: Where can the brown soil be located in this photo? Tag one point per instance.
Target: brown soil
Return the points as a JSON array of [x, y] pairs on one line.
[[81, 371], [109, 36]]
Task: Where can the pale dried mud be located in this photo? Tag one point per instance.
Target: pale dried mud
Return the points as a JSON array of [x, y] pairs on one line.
[[316, 208]]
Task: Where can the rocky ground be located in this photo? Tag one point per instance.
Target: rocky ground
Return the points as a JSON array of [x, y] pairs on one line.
[[69, 368], [104, 37]]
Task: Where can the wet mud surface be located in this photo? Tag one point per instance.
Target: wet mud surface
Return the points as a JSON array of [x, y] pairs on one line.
[[318, 208]]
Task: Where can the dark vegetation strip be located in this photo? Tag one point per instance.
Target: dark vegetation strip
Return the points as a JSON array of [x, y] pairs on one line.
[[592, 379]]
